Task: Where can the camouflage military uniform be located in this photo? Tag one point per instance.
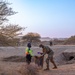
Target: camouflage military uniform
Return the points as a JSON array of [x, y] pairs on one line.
[[49, 51]]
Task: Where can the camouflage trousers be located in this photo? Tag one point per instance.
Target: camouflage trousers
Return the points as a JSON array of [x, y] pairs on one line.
[[50, 57]]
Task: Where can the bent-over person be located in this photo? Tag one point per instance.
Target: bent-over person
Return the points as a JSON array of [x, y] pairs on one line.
[[49, 51]]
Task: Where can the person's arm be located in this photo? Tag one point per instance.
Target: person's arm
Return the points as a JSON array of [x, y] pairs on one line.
[[44, 52]]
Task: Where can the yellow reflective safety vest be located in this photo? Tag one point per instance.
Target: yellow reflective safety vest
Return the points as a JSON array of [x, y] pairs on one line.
[[29, 51]]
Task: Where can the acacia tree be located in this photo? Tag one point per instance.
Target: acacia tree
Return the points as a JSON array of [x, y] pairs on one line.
[[31, 37], [11, 31], [8, 33]]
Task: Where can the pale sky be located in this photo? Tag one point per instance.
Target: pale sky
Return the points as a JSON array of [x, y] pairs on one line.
[[49, 18]]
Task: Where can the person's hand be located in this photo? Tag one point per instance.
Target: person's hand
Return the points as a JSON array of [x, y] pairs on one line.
[[40, 56], [41, 53]]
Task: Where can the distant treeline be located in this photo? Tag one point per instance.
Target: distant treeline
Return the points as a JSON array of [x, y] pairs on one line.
[[68, 41], [35, 39]]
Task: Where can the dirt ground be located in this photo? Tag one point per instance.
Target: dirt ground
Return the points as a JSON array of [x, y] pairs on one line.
[[15, 60]]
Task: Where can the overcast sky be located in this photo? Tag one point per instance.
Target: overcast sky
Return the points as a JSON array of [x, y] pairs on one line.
[[49, 18]]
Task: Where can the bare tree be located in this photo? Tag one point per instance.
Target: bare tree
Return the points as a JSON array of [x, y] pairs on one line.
[[5, 11]]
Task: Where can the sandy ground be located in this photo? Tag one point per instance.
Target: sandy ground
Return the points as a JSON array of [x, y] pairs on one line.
[[11, 68]]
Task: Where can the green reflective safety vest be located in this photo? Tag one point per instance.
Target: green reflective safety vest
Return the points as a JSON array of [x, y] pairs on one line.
[[29, 51]]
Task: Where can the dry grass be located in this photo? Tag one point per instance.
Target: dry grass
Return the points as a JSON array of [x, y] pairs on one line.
[[31, 69], [16, 65]]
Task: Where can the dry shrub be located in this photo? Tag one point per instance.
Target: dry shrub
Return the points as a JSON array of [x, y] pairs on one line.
[[31, 69]]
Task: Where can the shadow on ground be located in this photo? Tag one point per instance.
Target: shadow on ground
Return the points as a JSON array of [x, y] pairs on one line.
[[15, 59]]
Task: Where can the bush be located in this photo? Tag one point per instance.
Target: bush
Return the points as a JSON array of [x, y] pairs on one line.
[[70, 41], [31, 69]]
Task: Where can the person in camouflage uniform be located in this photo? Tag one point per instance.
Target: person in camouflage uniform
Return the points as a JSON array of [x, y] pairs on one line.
[[49, 51]]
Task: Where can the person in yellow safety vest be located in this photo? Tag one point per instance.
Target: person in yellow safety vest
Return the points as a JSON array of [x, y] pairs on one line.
[[29, 51], [29, 54]]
